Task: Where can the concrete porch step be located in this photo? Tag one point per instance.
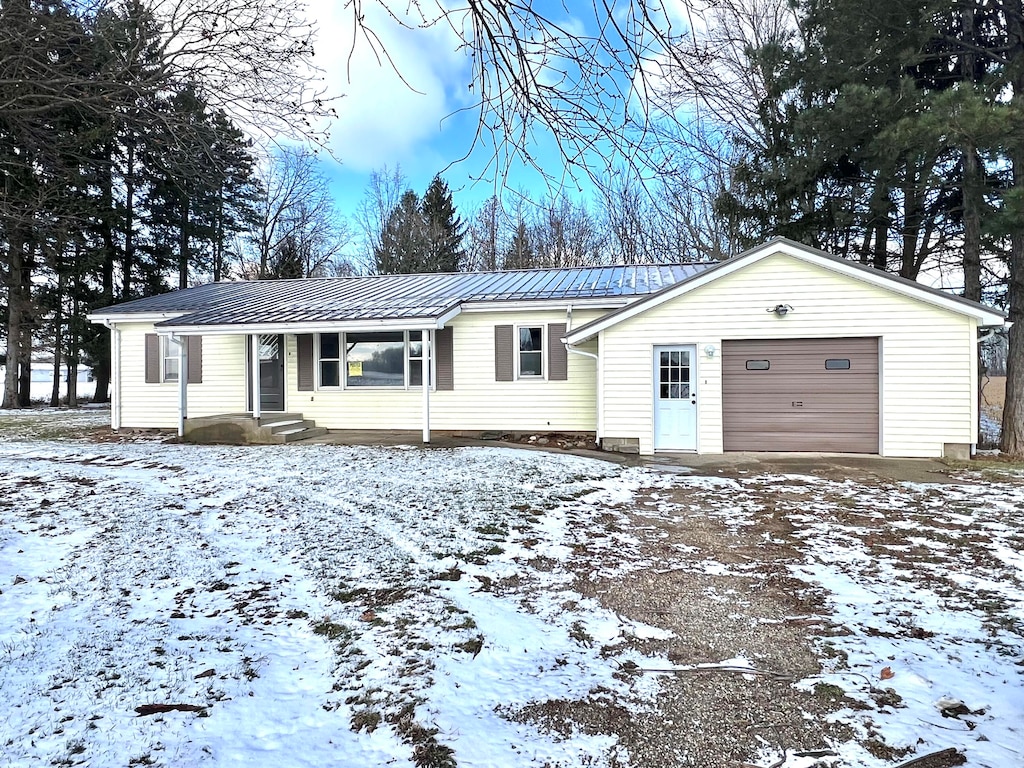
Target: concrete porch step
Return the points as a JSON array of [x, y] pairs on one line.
[[298, 433], [277, 427]]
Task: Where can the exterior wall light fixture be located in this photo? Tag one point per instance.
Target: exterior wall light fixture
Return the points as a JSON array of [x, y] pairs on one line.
[[709, 350], [780, 310]]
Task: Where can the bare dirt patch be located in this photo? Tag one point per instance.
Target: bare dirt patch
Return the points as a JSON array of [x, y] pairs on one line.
[[720, 577]]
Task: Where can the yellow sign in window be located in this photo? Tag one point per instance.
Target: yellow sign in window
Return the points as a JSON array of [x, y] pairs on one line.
[[355, 367]]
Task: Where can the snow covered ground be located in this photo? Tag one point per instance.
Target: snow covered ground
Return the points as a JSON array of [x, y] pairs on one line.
[[371, 606]]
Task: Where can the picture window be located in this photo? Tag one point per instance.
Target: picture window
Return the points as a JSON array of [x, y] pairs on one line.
[[373, 359]]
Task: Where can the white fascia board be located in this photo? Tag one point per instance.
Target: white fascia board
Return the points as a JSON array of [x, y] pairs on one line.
[[123, 317], [351, 326], [448, 316], [611, 302], [985, 317]]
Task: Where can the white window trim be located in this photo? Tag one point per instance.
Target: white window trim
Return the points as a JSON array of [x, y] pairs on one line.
[[520, 376], [341, 363], [408, 338], [170, 349]]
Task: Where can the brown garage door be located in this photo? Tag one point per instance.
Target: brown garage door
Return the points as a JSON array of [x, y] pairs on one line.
[[801, 395]]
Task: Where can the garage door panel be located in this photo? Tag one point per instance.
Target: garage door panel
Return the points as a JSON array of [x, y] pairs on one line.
[[810, 388], [797, 404], [836, 442]]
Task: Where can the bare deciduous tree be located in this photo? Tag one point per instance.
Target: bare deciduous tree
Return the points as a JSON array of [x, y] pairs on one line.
[[296, 209]]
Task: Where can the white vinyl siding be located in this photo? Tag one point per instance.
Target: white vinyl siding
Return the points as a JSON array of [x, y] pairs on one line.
[[156, 405], [927, 354], [478, 402]]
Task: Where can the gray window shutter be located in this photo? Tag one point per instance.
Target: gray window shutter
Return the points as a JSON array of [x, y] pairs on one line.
[[444, 359], [195, 359], [558, 358], [152, 358], [504, 361], [304, 342]]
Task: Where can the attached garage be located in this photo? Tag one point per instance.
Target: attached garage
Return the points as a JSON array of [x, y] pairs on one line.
[[801, 395], [788, 348]]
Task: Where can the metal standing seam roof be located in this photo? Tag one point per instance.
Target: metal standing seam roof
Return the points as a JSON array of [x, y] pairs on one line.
[[396, 297]]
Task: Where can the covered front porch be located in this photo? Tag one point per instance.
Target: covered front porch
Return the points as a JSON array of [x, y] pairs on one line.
[[290, 381]]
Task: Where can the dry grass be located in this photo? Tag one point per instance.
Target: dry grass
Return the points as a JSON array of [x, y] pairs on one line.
[[993, 391]]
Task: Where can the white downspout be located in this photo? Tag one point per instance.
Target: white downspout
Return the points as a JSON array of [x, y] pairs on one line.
[[599, 420], [115, 375], [425, 382], [568, 327]]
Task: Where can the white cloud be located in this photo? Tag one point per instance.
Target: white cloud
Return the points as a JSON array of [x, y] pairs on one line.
[[381, 119]]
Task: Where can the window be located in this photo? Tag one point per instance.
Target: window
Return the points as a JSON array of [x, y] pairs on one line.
[[837, 364], [674, 374], [375, 359], [170, 351], [330, 360], [758, 365], [531, 351], [416, 362]]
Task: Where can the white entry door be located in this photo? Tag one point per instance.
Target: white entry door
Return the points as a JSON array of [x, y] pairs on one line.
[[675, 398]]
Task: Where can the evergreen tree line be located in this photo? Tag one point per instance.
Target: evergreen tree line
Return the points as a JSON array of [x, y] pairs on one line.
[[124, 170], [625, 223], [885, 131]]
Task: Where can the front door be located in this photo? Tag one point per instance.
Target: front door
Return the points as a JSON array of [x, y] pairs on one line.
[[271, 348], [675, 398]]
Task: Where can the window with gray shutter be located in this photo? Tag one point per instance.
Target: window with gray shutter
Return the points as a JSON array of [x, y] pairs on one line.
[[504, 361], [444, 359], [304, 345], [195, 359], [558, 357], [152, 358]]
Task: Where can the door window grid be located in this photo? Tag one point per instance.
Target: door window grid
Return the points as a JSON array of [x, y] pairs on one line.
[[674, 375]]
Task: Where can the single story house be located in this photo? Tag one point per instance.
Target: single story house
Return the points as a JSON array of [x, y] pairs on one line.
[[781, 348]]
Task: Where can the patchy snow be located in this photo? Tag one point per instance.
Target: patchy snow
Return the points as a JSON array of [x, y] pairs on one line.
[[328, 605], [346, 600]]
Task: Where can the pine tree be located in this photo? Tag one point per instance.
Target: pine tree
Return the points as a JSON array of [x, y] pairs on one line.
[[520, 253], [444, 229], [403, 244]]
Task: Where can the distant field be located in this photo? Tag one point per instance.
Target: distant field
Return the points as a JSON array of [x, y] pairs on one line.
[[993, 391]]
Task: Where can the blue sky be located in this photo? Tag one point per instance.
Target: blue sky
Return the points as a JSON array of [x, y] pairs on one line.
[[417, 125]]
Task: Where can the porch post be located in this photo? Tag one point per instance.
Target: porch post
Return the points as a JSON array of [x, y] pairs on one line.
[[425, 378], [255, 375], [115, 377], [182, 383]]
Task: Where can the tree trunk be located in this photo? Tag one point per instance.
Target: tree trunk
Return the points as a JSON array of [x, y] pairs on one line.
[[1012, 440], [128, 261], [183, 243], [74, 328], [15, 310], [102, 368], [25, 352], [972, 223], [58, 341], [972, 176]]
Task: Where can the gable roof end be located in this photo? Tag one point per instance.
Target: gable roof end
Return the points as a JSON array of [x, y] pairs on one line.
[[986, 316]]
